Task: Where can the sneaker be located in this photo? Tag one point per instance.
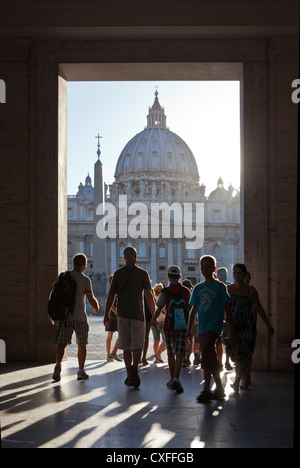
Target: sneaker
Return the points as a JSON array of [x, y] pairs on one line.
[[228, 366], [218, 395], [204, 397], [56, 373], [177, 386], [115, 357], [170, 384], [197, 360], [82, 375]]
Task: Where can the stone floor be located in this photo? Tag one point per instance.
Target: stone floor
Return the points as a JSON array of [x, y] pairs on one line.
[[103, 412]]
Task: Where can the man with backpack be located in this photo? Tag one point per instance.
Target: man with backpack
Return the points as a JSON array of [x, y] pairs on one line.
[[76, 319], [176, 299]]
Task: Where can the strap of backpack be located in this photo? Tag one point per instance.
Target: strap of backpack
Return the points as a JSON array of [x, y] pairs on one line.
[[176, 296], [129, 276]]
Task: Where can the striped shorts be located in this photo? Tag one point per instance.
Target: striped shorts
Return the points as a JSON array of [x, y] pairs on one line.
[[68, 327], [176, 343]]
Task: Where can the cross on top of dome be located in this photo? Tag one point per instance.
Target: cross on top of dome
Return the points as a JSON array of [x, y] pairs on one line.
[[156, 116]]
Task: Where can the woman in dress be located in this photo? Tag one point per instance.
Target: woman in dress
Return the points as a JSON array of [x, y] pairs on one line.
[[245, 304]]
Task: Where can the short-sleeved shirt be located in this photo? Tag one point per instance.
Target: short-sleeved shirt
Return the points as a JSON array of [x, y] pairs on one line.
[[84, 287], [130, 297], [164, 299], [209, 298]]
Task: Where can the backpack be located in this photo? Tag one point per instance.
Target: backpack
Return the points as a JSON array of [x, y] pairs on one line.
[[178, 311], [62, 297]]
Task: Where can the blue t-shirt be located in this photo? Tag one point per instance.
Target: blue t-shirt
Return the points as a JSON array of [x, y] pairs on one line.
[[209, 298]]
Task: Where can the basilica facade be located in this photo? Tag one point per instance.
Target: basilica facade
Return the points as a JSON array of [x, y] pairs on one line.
[[156, 204]]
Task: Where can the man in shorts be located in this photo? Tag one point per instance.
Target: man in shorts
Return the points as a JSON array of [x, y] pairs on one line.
[[176, 341], [130, 283], [77, 321]]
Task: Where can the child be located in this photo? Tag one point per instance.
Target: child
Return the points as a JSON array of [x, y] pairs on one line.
[[209, 299], [176, 342]]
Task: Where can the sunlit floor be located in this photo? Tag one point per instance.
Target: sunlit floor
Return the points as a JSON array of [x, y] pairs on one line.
[[103, 412]]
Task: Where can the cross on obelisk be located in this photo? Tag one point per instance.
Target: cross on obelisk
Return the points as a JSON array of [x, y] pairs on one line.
[[98, 150]]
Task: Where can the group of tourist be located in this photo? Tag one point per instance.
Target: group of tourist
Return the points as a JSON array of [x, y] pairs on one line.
[[212, 314]]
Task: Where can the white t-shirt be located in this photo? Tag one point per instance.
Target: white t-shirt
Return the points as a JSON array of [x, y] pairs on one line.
[[84, 287]]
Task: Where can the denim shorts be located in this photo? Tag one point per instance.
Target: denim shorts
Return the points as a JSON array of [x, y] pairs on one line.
[[159, 331]]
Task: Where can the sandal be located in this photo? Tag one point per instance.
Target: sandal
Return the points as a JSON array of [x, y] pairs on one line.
[[158, 358]]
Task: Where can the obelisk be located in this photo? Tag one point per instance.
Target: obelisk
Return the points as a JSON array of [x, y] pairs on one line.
[[99, 248]]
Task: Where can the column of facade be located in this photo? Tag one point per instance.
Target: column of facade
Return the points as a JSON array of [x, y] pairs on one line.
[[113, 256], [179, 254], [170, 253], [81, 244], [153, 264]]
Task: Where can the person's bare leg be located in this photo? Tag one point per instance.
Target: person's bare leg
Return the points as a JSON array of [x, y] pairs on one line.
[[116, 347], [128, 360], [60, 351], [108, 342], [240, 370], [178, 365], [171, 362], [161, 348], [136, 357], [143, 358], [81, 356], [207, 379]]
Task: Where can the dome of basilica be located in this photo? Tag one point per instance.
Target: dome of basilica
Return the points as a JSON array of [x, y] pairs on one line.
[[157, 152]]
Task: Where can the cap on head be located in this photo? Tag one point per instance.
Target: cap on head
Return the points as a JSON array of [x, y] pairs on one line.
[[187, 282], [174, 270]]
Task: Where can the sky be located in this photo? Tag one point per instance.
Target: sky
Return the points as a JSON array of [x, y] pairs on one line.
[[205, 114]]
